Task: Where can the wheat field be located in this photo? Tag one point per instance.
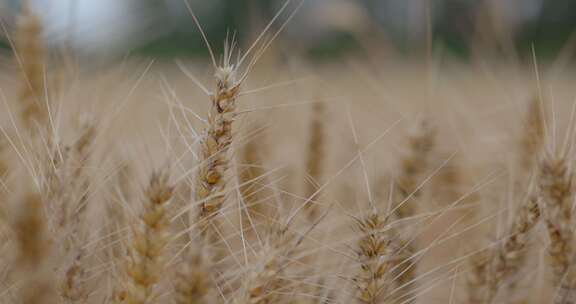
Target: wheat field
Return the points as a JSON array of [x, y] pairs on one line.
[[373, 179]]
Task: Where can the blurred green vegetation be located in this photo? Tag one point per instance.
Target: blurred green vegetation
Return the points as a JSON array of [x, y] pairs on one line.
[[455, 25]]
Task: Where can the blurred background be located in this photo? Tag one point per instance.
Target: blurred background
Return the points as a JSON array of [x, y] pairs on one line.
[[321, 29]]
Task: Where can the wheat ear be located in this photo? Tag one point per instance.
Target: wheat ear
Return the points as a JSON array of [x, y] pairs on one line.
[[263, 282], [193, 280], [510, 257], [31, 236], [73, 287], [556, 195], [505, 261], [146, 261], [31, 59], [376, 256], [413, 167], [210, 183]]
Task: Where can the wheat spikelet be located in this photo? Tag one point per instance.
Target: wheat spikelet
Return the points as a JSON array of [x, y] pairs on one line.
[[145, 259], [31, 60], [556, 195], [73, 288]]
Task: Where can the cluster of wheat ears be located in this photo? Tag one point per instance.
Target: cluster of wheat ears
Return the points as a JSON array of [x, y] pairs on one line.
[[217, 222]]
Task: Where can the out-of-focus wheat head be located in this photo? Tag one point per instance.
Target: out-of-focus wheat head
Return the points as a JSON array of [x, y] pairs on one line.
[[264, 283], [33, 269], [556, 195], [193, 283], [30, 55], [207, 231], [145, 264]]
